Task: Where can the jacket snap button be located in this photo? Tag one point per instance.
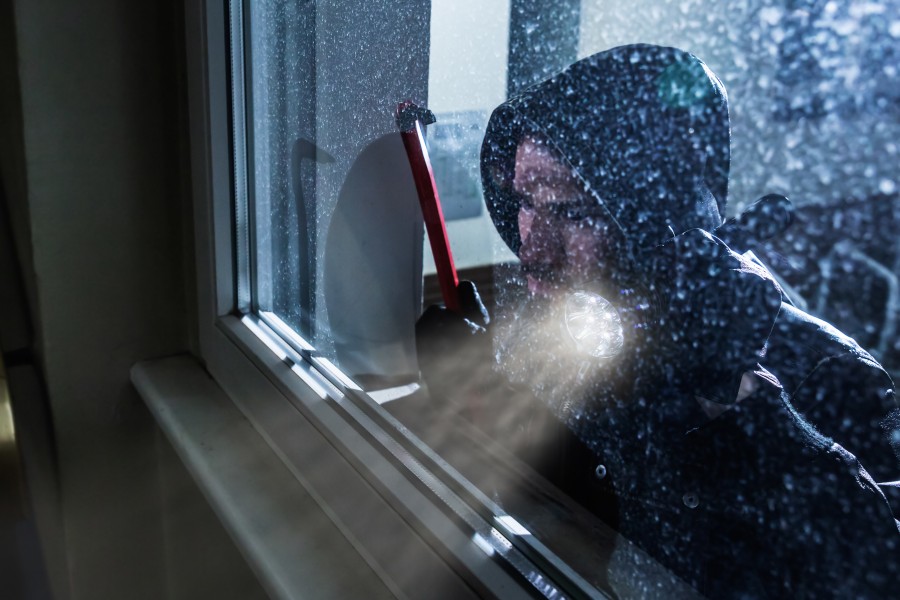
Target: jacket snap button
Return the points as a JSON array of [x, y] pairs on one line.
[[600, 471], [691, 500]]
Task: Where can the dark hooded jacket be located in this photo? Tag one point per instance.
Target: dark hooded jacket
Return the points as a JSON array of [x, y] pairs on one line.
[[738, 498]]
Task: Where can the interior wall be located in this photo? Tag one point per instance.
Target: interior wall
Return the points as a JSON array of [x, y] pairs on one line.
[[24, 562], [95, 164], [12, 160]]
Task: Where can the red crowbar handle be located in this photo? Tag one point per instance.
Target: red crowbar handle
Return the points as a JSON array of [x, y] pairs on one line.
[[410, 119]]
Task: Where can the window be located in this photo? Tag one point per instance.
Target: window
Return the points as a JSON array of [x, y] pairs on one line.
[[319, 271]]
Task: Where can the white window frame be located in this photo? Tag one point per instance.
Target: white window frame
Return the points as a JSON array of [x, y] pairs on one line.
[[389, 499]]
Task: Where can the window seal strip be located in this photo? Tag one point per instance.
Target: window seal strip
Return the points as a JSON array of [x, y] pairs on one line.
[[242, 212]]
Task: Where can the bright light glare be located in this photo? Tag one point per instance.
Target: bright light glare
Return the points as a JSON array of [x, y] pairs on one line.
[[264, 338], [482, 543], [594, 325], [7, 426], [394, 393], [285, 330], [512, 525], [336, 372]]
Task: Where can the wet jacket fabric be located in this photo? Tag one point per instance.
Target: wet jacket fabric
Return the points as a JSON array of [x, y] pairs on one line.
[[737, 498], [740, 499], [752, 503], [839, 388]]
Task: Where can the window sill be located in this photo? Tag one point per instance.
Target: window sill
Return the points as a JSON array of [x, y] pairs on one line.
[[315, 515], [289, 541]]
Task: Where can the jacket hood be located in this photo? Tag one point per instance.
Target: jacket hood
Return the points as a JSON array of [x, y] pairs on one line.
[[644, 128]]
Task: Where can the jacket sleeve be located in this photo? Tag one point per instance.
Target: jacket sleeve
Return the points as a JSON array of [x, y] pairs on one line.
[[850, 537], [803, 518], [839, 388], [718, 310], [851, 399]]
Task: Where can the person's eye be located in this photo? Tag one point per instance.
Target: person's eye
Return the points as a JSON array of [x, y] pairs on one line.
[[524, 201], [570, 212], [576, 214]]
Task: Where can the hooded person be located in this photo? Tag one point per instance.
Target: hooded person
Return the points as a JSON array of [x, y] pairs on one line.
[[631, 147], [677, 428]]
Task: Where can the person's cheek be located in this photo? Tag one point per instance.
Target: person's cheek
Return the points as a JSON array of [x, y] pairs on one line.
[[582, 247], [526, 220]]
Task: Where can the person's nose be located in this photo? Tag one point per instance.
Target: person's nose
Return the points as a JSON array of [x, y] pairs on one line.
[[541, 242]]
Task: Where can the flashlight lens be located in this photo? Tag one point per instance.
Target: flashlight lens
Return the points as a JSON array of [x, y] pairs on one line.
[[594, 325]]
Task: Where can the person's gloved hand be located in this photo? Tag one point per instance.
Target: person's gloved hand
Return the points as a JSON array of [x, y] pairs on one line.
[[454, 349], [718, 309]]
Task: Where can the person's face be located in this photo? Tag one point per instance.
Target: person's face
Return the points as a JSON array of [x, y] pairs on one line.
[[564, 239]]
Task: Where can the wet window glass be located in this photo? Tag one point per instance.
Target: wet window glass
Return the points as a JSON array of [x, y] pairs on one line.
[[667, 366], [335, 230]]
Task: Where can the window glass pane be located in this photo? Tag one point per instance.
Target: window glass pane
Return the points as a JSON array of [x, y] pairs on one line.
[[338, 233], [810, 85], [661, 410], [280, 59], [653, 364], [464, 34]]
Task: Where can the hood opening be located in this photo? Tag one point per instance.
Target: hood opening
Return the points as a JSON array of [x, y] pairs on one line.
[[644, 128]]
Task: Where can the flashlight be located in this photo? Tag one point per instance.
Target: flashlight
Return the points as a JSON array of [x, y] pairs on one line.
[[594, 325]]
